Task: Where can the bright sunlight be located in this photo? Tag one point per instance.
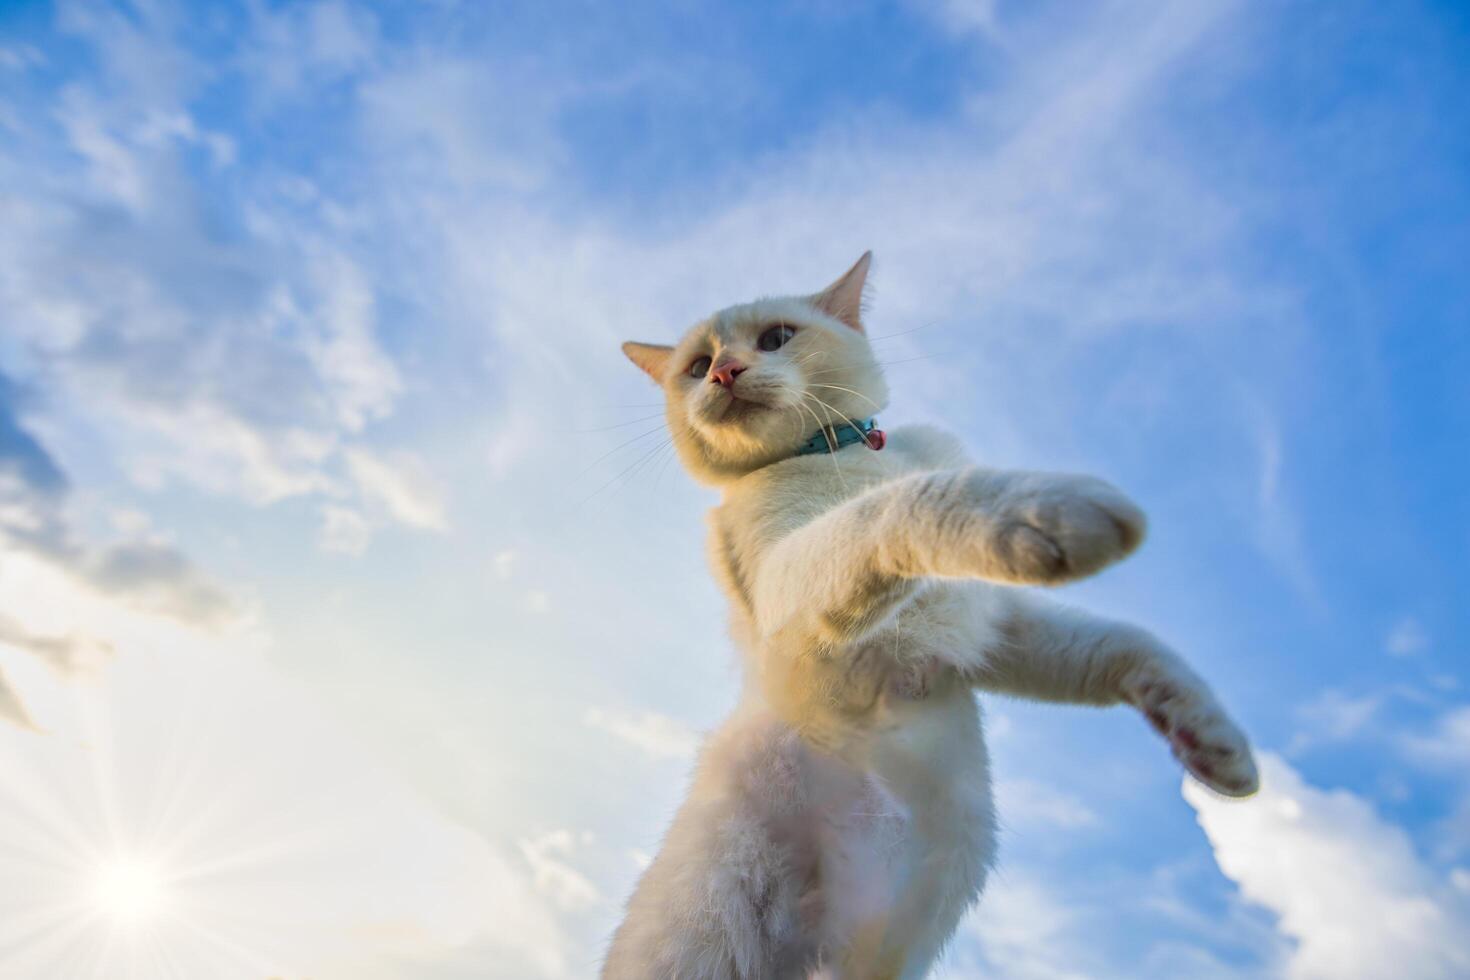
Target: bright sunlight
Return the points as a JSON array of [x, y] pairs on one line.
[[130, 891]]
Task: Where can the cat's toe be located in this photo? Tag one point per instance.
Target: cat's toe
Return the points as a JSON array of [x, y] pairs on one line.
[[1200, 736], [1230, 772], [1105, 525], [1091, 523], [1129, 525], [1031, 555], [1217, 754]]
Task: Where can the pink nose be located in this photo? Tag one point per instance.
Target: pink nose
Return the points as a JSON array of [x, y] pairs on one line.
[[724, 373]]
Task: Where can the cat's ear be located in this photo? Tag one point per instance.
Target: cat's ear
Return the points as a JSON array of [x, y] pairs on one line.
[[844, 298], [652, 358]]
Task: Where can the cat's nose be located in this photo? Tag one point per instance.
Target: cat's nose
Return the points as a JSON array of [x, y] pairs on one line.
[[724, 372]]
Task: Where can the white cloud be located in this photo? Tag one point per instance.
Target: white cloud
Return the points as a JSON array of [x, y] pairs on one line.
[[1334, 716], [1279, 534], [129, 521], [965, 16], [309, 43], [73, 628], [1024, 802], [659, 736], [233, 361], [72, 655], [1445, 749], [1407, 637], [363, 381], [454, 126], [401, 485], [12, 709], [1347, 886], [143, 571], [344, 531], [1067, 922], [20, 57], [1448, 745], [1026, 932], [552, 873], [137, 50]]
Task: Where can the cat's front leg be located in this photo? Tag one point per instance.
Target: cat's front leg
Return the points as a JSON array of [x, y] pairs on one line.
[[1016, 527], [844, 573], [1055, 653]]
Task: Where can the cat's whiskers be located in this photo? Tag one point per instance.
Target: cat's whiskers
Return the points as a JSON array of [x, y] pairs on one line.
[[659, 476], [834, 411], [631, 468], [826, 371], [838, 415], [796, 420], [831, 410], [820, 426], [650, 461], [826, 431], [618, 425], [921, 357], [825, 420], [850, 391], [873, 339], [867, 440], [622, 445]]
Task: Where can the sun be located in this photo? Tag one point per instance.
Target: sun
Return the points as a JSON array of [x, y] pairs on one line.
[[130, 891]]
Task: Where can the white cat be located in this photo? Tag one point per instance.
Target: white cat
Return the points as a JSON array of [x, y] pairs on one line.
[[840, 822]]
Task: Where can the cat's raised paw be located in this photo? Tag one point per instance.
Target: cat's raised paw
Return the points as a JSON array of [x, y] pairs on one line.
[[1055, 529], [1204, 740]]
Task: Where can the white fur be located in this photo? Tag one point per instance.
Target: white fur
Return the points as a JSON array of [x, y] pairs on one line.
[[840, 822]]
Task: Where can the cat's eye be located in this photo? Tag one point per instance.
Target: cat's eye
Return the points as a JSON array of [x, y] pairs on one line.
[[700, 367], [775, 337]]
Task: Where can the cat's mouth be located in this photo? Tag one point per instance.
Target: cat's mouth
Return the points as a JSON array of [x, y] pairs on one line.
[[738, 409], [732, 408]]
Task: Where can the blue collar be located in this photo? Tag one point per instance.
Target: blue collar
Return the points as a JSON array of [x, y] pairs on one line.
[[835, 437]]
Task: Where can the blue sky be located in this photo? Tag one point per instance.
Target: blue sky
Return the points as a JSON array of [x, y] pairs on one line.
[[335, 586]]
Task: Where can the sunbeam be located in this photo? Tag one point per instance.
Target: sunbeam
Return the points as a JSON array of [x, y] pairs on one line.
[[131, 891]]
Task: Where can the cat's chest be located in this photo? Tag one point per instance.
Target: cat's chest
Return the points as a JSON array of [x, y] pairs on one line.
[[872, 688], [764, 508]]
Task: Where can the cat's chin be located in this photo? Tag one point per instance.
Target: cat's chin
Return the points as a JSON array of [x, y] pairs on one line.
[[741, 410], [733, 412]]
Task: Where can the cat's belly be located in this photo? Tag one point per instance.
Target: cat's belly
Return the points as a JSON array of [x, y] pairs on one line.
[[904, 842], [900, 816]]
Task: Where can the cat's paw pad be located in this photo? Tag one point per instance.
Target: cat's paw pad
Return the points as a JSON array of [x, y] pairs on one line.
[[1065, 528], [1203, 739]]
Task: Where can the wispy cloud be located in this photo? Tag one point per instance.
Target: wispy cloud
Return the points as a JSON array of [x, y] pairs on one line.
[[399, 485], [1406, 638], [1025, 802], [657, 735], [1335, 716], [38, 529]]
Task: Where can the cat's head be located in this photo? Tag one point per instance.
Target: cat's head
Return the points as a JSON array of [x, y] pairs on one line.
[[749, 385]]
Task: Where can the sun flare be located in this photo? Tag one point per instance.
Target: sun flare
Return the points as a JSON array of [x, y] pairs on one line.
[[130, 891]]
